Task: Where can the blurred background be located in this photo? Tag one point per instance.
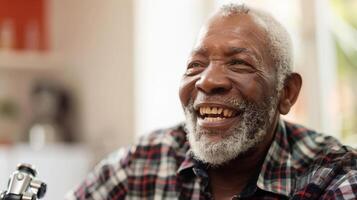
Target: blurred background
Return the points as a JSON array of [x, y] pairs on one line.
[[79, 79]]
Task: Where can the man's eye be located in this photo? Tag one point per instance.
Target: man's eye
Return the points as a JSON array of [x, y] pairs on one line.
[[194, 65], [237, 62], [240, 66], [194, 68]]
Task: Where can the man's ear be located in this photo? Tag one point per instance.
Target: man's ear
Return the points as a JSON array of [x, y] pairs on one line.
[[289, 92]]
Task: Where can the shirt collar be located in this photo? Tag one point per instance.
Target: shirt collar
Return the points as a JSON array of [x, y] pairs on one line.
[[276, 175], [186, 167]]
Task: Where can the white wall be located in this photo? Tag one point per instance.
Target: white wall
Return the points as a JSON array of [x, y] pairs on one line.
[[164, 35], [96, 41]]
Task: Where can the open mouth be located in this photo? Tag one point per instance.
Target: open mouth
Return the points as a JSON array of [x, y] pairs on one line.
[[215, 113], [216, 116]]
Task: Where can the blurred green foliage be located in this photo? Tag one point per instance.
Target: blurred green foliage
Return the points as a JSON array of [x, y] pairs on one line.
[[346, 10]]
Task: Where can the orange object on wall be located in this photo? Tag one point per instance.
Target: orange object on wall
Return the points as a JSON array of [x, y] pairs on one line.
[[27, 21]]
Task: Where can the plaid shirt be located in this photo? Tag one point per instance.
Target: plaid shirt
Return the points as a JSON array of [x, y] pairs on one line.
[[300, 164]]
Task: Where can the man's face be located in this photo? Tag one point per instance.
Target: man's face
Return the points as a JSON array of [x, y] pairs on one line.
[[228, 91]]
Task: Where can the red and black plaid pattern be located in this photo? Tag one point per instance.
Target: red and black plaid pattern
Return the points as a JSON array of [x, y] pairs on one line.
[[300, 164]]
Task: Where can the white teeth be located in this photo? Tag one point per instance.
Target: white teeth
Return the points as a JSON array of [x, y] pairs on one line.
[[208, 110], [213, 119], [216, 110], [225, 112]]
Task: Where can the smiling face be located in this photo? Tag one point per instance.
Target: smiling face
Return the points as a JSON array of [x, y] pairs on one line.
[[228, 91]]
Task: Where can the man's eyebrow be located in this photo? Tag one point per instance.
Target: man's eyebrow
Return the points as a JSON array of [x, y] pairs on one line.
[[237, 50]]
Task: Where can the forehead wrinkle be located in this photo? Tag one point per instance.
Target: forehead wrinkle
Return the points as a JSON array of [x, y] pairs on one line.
[[253, 51], [235, 49]]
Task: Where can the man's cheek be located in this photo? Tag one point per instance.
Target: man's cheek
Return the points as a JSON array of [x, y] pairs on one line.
[[187, 89], [252, 87]]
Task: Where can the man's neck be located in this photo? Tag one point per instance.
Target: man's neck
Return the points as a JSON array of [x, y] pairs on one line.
[[231, 178]]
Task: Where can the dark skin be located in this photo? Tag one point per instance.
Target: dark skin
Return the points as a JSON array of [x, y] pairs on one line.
[[231, 59]]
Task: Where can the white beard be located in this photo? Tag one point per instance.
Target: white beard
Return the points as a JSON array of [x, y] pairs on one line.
[[247, 133]]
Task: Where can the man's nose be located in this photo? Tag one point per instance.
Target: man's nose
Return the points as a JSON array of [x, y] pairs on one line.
[[214, 80]]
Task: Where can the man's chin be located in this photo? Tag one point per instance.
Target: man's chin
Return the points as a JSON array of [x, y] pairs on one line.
[[213, 136], [211, 148], [218, 148]]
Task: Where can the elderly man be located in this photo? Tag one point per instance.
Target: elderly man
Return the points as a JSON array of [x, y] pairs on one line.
[[233, 145]]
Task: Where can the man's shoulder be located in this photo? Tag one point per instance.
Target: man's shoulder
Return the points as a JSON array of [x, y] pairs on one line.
[[333, 176], [148, 151], [322, 164], [298, 133], [155, 156], [311, 146], [174, 137], [152, 148], [160, 141], [312, 149]]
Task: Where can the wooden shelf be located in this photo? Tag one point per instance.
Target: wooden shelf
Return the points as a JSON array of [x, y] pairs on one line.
[[27, 60]]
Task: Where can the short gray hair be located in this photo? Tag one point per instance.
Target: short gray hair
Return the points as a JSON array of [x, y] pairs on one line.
[[279, 39]]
